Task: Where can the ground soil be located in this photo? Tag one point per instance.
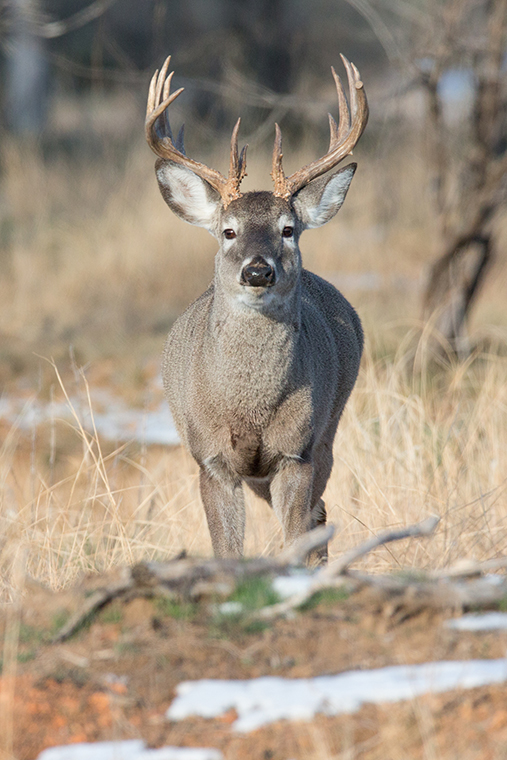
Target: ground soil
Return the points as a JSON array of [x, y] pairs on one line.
[[116, 677]]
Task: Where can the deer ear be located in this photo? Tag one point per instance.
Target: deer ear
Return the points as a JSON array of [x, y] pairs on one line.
[[187, 195], [321, 199]]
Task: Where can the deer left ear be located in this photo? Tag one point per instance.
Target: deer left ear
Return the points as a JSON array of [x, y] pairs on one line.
[[321, 199]]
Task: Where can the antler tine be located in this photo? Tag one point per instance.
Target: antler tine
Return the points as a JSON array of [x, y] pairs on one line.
[[161, 141], [354, 80], [333, 132], [343, 109], [167, 86], [343, 137], [277, 169], [161, 81], [150, 105], [237, 163]]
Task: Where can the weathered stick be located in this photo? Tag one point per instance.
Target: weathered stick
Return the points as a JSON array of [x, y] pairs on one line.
[[301, 548], [190, 578], [94, 602], [339, 566], [333, 576], [416, 595], [469, 568]]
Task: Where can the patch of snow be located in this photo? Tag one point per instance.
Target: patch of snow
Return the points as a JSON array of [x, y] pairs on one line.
[[116, 421], [260, 701], [134, 749], [486, 621], [230, 608], [494, 579], [290, 585]]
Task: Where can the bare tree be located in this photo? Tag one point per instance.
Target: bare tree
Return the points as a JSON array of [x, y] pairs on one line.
[[436, 42], [27, 71], [468, 153], [27, 66]]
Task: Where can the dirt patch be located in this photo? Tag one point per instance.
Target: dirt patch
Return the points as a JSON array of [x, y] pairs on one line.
[[116, 678]]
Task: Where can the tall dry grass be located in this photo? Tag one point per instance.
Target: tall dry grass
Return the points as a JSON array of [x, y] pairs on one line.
[[407, 446], [92, 258]]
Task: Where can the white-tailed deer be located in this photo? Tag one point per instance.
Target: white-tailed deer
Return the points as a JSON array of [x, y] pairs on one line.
[[257, 371]]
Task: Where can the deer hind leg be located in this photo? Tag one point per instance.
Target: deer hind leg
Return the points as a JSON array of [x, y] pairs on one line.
[[318, 516], [323, 458], [223, 500]]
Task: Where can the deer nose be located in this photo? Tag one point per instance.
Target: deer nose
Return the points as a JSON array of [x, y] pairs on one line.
[[258, 273]]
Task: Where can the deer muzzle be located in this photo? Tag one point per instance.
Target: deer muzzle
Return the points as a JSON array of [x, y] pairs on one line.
[[258, 273]]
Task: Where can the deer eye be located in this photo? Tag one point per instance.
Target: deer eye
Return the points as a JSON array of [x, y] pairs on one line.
[[229, 234], [288, 232]]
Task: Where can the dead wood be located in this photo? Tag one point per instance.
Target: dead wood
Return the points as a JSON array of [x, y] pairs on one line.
[[462, 587], [340, 566], [189, 578], [333, 575]]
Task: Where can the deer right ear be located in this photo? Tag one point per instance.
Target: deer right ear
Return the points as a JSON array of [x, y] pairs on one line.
[[187, 195]]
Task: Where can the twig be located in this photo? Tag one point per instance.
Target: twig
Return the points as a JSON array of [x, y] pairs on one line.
[[91, 605], [333, 576], [468, 568], [339, 566], [301, 548]]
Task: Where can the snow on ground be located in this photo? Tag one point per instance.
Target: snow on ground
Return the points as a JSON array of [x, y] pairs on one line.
[[134, 749], [487, 621], [260, 701], [112, 418]]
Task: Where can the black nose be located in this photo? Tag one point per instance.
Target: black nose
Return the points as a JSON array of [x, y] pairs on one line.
[[258, 273]]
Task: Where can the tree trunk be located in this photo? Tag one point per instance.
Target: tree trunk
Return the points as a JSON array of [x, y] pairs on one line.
[[27, 71], [452, 287]]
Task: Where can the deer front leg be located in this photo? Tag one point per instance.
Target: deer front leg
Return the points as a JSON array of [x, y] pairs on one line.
[[291, 495], [223, 500]]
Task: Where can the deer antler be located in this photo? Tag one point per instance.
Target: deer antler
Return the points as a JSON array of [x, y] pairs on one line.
[[343, 138], [161, 141]]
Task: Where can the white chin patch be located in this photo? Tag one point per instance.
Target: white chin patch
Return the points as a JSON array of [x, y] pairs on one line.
[[256, 299], [188, 192]]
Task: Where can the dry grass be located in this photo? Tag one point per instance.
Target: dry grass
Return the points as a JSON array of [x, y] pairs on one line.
[[94, 259], [406, 447]]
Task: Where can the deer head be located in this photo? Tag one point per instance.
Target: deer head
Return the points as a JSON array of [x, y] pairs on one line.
[[258, 263]]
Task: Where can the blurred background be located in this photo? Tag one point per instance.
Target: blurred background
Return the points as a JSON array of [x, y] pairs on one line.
[[94, 268], [91, 258]]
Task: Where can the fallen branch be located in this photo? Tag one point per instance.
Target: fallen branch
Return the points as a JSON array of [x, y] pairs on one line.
[[188, 579], [469, 568], [192, 579], [340, 566], [92, 604], [333, 575]]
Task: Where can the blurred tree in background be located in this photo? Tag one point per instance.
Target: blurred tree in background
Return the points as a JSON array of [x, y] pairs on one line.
[[267, 60], [267, 43], [464, 46], [455, 52]]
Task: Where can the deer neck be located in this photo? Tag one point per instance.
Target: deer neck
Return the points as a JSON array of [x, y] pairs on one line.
[[232, 319], [253, 349]]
